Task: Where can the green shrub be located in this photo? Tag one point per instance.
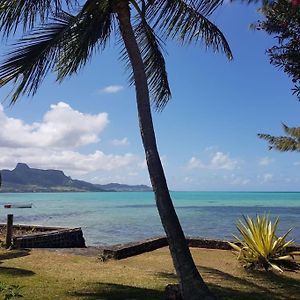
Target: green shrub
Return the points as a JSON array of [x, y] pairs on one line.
[[8, 292], [260, 247]]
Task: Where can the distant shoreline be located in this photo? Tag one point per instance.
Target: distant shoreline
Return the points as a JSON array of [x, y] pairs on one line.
[[146, 191], [24, 179]]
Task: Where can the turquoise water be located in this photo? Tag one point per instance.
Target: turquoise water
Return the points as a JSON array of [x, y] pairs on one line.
[[110, 218]]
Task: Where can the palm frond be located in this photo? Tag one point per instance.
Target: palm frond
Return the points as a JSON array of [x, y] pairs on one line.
[[186, 20], [205, 7], [62, 46], [291, 142], [32, 57], [14, 13], [281, 143], [263, 2], [91, 30], [292, 131], [155, 67]]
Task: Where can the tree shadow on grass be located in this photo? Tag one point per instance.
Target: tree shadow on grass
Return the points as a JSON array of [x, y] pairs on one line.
[[10, 254], [287, 285], [268, 285], [217, 274], [109, 291], [227, 293], [167, 275], [15, 272]]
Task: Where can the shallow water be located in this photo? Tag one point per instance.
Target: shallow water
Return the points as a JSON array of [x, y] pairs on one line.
[[110, 218]]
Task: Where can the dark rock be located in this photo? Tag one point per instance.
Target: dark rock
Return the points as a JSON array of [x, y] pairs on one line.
[[172, 292]]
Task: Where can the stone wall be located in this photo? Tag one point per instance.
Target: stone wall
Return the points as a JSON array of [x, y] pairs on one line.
[[130, 249], [198, 242], [62, 238], [30, 228]]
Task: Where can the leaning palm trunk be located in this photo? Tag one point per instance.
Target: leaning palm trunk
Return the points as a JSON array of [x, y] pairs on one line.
[[191, 284], [62, 42]]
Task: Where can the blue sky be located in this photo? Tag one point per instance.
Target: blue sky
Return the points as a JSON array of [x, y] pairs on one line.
[[87, 126]]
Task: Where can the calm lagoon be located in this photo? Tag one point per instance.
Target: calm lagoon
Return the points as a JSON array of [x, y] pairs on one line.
[[111, 218]]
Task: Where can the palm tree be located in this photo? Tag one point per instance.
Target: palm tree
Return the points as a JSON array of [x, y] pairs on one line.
[[63, 36], [290, 142], [282, 19]]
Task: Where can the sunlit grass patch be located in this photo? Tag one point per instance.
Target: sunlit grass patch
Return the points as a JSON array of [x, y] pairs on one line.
[[42, 274]]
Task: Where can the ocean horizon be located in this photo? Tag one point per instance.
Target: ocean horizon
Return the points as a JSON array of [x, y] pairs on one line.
[[108, 218]]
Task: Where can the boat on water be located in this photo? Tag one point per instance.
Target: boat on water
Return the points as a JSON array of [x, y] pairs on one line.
[[10, 205]]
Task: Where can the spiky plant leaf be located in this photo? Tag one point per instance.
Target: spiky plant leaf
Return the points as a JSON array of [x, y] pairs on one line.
[[234, 246], [275, 267], [260, 247]]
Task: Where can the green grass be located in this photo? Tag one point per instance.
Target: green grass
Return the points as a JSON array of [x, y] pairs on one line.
[[56, 275]]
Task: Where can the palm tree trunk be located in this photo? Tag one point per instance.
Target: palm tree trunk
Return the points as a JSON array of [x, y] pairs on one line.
[[191, 284]]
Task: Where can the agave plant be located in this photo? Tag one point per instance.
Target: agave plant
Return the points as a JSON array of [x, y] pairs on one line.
[[260, 247]]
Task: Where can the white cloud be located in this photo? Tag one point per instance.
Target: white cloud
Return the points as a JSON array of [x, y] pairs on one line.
[[111, 89], [265, 178], [121, 142], [265, 161], [143, 164], [218, 161], [53, 142], [188, 179], [210, 148], [61, 127], [195, 163], [240, 181], [72, 162], [223, 161], [234, 179]]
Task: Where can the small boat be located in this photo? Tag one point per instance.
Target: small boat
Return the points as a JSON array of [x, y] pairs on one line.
[[9, 205]]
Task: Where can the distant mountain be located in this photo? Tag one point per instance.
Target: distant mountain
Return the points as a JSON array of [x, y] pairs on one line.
[[26, 179], [125, 188]]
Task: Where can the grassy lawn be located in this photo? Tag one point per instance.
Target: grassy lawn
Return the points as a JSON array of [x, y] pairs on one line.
[[56, 275]]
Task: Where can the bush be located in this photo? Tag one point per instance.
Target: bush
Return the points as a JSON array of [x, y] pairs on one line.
[[260, 247], [8, 292]]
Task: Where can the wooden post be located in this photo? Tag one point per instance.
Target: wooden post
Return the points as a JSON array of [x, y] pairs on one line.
[[9, 230]]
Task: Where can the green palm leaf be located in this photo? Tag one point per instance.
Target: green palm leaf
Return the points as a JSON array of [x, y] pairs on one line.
[[90, 31], [281, 143], [155, 67], [292, 131], [187, 21], [63, 46], [32, 57], [28, 12]]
